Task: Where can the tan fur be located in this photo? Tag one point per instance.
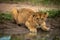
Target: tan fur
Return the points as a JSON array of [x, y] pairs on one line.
[[31, 19], [14, 14]]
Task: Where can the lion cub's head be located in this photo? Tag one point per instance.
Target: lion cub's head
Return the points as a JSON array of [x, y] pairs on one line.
[[39, 17]]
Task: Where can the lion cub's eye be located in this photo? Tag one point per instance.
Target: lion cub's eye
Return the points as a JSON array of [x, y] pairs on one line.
[[17, 11], [45, 12], [33, 15], [37, 18]]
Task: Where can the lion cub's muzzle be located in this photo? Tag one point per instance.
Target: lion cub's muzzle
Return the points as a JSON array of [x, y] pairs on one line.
[[38, 25]]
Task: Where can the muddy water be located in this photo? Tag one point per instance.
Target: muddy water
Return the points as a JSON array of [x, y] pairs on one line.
[[41, 35], [27, 36]]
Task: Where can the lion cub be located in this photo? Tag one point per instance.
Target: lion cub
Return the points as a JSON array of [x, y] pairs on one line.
[[31, 19]]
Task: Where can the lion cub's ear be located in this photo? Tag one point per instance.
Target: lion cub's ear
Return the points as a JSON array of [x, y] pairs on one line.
[[34, 15], [46, 14], [15, 10]]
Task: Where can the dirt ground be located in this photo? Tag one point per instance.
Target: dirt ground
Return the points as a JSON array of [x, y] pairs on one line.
[[9, 27], [7, 7]]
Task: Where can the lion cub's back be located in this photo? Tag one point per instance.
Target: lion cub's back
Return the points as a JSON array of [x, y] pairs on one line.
[[24, 14]]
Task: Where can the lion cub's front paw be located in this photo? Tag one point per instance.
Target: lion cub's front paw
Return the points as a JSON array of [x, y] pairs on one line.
[[47, 29], [33, 30]]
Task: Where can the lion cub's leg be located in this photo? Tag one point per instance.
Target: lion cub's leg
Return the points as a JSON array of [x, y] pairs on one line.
[[44, 27], [31, 27]]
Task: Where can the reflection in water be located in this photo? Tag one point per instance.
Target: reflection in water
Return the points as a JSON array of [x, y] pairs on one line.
[[30, 36], [26, 36], [40, 35]]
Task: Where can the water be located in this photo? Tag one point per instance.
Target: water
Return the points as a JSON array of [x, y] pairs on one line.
[[27, 36], [41, 35], [5, 38]]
